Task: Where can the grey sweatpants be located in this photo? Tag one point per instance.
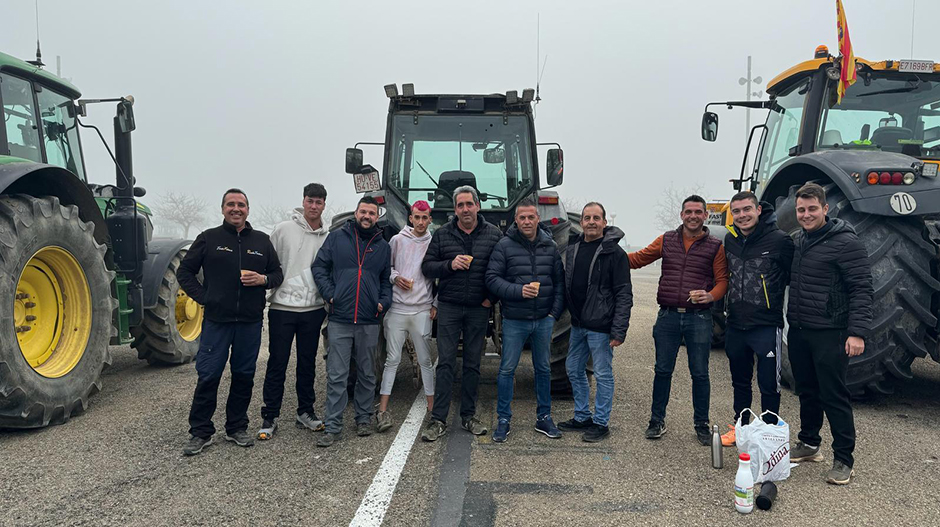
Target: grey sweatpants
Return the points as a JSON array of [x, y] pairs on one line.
[[344, 339]]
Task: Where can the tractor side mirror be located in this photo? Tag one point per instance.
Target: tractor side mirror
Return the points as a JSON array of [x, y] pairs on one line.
[[353, 160], [555, 167], [494, 156], [710, 126], [125, 115]]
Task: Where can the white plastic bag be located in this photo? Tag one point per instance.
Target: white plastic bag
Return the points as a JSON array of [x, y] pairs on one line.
[[768, 446]]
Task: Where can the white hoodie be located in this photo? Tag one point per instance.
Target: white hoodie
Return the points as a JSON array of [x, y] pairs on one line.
[[407, 254], [297, 244]]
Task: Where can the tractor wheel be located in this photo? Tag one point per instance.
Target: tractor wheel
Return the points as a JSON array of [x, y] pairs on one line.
[[55, 293], [170, 331], [719, 323], [903, 323]]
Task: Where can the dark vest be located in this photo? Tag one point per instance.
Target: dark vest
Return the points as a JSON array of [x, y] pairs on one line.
[[684, 272]]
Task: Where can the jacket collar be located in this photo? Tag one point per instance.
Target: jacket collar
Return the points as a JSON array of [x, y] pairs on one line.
[[231, 228]]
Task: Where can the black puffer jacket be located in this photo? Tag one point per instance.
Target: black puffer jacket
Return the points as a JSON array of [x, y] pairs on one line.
[[468, 287], [516, 261], [610, 293], [831, 283], [759, 265]]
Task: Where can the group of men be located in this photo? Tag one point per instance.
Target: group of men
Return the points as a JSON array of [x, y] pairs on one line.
[[357, 280]]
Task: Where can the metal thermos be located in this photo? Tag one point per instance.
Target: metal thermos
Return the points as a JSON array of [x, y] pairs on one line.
[[717, 460]]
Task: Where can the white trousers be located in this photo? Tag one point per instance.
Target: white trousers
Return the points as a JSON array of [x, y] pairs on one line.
[[398, 327]]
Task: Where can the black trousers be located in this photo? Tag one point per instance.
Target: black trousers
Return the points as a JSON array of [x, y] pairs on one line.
[[819, 364], [452, 321], [742, 346], [283, 327]]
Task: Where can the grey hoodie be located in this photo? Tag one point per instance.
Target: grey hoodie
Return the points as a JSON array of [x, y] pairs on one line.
[[407, 254], [297, 244]]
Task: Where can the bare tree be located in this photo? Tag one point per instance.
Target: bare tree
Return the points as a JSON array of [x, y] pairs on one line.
[[573, 204], [332, 209], [266, 217], [183, 210], [670, 205]]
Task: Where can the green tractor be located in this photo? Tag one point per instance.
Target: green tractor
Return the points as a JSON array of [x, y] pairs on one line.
[[876, 153], [79, 269]]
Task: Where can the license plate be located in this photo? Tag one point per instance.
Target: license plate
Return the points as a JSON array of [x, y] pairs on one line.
[[916, 66], [368, 182]]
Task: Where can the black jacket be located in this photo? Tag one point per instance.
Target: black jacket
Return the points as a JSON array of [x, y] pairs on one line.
[[468, 287], [353, 273], [516, 261], [759, 268], [831, 283], [221, 253], [610, 292]]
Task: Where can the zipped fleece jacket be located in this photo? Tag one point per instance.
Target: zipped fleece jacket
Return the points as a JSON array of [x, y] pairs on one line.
[[352, 269], [515, 262], [609, 292], [221, 253], [407, 254], [466, 288], [759, 269], [297, 244], [831, 283]]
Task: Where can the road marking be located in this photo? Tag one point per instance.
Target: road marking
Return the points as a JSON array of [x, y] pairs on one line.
[[375, 503]]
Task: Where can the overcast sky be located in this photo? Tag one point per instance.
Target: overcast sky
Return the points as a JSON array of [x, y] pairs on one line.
[[267, 95]]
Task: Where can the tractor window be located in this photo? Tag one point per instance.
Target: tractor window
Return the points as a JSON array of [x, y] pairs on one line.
[[60, 132], [783, 130], [19, 118]]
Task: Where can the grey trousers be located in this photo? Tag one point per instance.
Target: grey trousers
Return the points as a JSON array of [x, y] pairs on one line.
[[344, 339]]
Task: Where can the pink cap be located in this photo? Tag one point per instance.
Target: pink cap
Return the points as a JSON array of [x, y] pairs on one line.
[[421, 205]]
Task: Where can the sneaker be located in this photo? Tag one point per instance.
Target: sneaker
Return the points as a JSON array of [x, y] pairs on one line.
[[502, 431], [240, 438], [268, 427], [595, 433], [703, 434], [840, 473], [384, 422], [195, 445], [310, 421], [547, 427], [364, 429], [728, 438], [573, 425], [656, 430], [434, 431], [803, 452], [327, 439], [474, 426]]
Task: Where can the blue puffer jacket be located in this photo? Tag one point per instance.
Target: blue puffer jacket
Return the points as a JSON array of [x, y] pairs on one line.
[[516, 261], [354, 272]]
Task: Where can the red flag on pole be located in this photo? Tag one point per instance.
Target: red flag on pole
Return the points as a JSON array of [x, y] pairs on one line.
[[846, 56]]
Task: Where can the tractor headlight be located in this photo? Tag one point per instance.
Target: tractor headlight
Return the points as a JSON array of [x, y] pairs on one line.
[[908, 178]]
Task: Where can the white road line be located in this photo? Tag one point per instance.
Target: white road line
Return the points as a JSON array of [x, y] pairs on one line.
[[375, 503]]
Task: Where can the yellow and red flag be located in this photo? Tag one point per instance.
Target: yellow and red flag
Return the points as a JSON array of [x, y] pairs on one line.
[[848, 74]]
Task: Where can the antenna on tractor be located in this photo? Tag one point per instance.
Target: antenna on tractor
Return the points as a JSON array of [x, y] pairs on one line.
[[38, 62], [538, 53]]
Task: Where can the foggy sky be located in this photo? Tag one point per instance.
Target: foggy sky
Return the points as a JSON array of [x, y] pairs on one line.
[[267, 95]]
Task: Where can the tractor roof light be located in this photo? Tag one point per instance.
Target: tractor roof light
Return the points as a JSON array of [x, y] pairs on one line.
[[822, 52], [528, 94], [512, 97], [908, 178], [872, 178], [408, 90], [391, 91]]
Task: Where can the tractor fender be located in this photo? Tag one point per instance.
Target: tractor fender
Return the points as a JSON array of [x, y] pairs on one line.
[[39, 179], [159, 253]]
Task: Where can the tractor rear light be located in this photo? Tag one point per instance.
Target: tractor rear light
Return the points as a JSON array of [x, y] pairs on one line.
[[555, 221], [908, 178], [548, 200], [872, 178], [380, 200], [885, 178], [897, 178]]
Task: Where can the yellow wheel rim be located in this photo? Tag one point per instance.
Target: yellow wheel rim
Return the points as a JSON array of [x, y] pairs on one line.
[[188, 317], [52, 312]]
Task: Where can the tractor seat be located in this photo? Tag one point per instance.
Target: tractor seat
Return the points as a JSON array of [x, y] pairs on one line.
[[888, 137], [449, 182], [831, 138]]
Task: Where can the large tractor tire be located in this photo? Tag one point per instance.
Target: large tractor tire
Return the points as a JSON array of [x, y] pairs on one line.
[[55, 294], [170, 331], [904, 324]]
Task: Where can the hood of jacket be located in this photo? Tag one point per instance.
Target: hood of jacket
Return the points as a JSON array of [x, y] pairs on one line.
[[298, 217], [409, 232], [542, 235]]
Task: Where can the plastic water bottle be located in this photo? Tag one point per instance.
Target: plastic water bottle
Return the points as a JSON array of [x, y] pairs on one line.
[[744, 485]]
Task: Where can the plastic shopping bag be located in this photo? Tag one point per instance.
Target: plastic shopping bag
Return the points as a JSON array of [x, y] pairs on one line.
[[768, 446]]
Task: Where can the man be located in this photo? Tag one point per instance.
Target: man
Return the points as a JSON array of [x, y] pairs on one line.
[[830, 313], [412, 308], [694, 274], [351, 271], [526, 273], [296, 310], [600, 297], [759, 257], [238, 263], [457, 256]]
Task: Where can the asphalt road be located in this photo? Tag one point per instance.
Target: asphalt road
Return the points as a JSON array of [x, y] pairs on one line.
[[120, 463]]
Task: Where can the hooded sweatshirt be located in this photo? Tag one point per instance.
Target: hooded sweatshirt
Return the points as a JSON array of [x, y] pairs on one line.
[[297, 244], [407, 254]]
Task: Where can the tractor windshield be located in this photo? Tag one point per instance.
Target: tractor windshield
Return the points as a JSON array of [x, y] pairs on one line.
[[431, 158], [893, 112]]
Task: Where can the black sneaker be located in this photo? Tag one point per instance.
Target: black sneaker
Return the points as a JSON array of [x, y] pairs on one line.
[[656, 429], [573, 425], [703, 434], [595, 433], [195, 445], [240, 438]]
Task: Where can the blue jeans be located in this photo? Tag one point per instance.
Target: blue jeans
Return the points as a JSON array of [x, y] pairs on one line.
[[670, 328], [584, 343], [515, 333]]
